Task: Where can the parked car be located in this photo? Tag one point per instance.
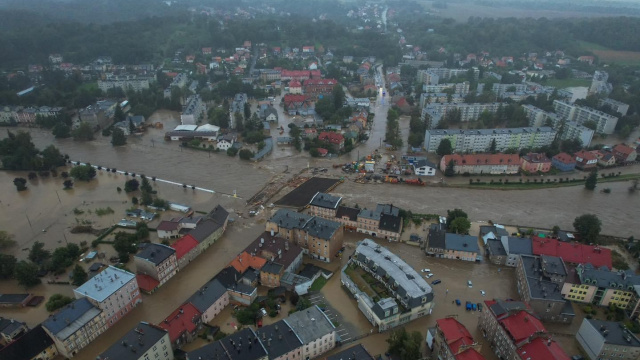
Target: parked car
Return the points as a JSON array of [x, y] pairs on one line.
[[429, 276], [474, 307], [458, 302], [425, 270], [469, 283], [468, 306], [263, 312], [483, 293], [479, 306], [436, 282]]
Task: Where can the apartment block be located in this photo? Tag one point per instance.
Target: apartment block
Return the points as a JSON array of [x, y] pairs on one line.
[[434, 113], [606, 123], [144, 342], [114, 291], [570, 129], [615, 105], [601, 286], [324, 205], [480, 140], [155, 265], [193, 111], [125, 82], [500, 89], [458, 88], [607, 340]]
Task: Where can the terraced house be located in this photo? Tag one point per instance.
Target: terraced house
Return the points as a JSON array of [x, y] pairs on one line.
[[404, 294], [602, 287]]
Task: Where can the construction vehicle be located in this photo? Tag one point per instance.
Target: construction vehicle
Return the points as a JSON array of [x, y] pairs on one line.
[[391, 179], [418, 182]]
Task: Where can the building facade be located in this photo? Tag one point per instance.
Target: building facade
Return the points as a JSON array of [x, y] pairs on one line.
[[602, 287], [144, 342], [496, 164], [605, 123], [157, 261], [607, 340], [193, 111], [453, 341], [480, 140]]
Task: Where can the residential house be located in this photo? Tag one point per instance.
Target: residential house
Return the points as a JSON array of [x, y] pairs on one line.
[[495, 164], [624, 153], [75, 326], [281, 255], [563, 162], [513, 248], [247, 261], [242, 345], [155, 265], [298, 105], [602, 287], [182, 324], [281, 341], [11, 329], [210, 300], [114, 291], [209, 230], [384, 222], [295, 87], [452, 246], [225, 142], [15, 300], [314, 329], [424, 168], [585, 160], [356, 352], [535, 162], [333, 138], [491, 232], [319, 238], [515, 334], [169, 229], [135, 122], [324, 205], [240, 291], [605, 158], [607, 340], [271, 114], [454, 342], [144, 342], [540, 280], [310, 133], [35, 344], [572, 253], [407, 288], [318, 87], [187, 249], [348, 217], [496, 252]]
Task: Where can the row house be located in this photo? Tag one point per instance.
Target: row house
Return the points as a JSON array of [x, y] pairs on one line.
[[382, 222], [75, 326], [187, 249], [35, 344], [563, 162], [482, 163], [605, 158], [145, 341], [586, 160], [317, 87], [506, 250], [515, 334], [210, 300], [602, 287], [182, 325], [244, 344], [155, 265], [480, 140], [332, 138], [624, 153], [452, 341], [114, 291], [451, 246], [572, 252], [281, 256], [10, 330], [535, 162]]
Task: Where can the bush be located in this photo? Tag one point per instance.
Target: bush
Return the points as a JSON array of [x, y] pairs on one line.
[[131, 185], [56, 301], [232, 151], [246, 154]]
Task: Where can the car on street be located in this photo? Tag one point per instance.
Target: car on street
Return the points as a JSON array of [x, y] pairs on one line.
[[458, 302], [426, 270], [474, 307], [436, 282], [468, 306], [483, 293], [428, 276], [479, 306], [263, 312], [469, 283]]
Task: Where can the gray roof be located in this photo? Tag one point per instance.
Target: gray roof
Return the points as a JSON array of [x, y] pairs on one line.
[[242, 288], [9, 326], [141, 338], [357, 352], [207, 295], [156, 253], [499, 231], [211, 351], [13, 298], [502, 307], [310, 324], [616, 333], [242, 345], [410, 283], [553, 265], [219, 215], [272, 268], [496, 248], [313, 225], [270, 110], [204, 229], [325, 201], [459, 242], [436, 236], [322, 228], [279, 339], [383, 305], [540, 286], [390, 223], [603, 278], [71, 318], [369, 214], [105, 283], [518, 246], [422, 163]]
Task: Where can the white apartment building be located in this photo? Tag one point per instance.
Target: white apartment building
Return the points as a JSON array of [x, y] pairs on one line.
[[193, 111], [606, 123], [500, 89], [570, 129], [125, 82], [114, 291], [600, 83], [615, 105], [468, 112], [458, 88], [479, 140], [315, 331], [433, 76]]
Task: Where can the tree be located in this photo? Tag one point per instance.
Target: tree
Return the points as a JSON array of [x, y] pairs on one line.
[[450, 170], [590, 124], [57, 301], [246, 154], [592, 181], [84, 132], [145, 186], [588, 226], [61, 131], [83, 172], [131, 185], [118, 115], [405, 345], [52, 158], [625, 132], [444, 148], [6, 240], [20, 183], [492, 147], [338, 96], [232, 151], [117, 137], [238, 121], [460, 225], [38, 254], [27, 274], [7, 265], [454, 214], [68, 184], [79, 276], [247, 110]]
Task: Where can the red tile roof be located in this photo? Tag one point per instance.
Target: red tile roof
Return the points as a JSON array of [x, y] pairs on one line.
[[455, 334], [483, 159], [522, 325], [244, 261], [295, 73], [623, 149], [146, 283], [586, 155], [295, 83], [542, 349], [323, 151], [565, 158], [572, 252], [320, 82], [184, 245], [183, 319], [291, 98], [331, 137]]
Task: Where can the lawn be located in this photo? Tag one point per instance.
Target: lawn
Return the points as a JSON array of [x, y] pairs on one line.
[[612, 56], [565, 83], [318, 284]]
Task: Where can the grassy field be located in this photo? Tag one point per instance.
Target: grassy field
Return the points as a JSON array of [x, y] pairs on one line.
[[612, 56], [565, 83]]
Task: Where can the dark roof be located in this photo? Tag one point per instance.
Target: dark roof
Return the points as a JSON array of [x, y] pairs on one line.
[[310, 270], [502, 307], [357, 352], [325, 201], [8, 326], [27, 346], [13, 298], [436, 237], [496, 248], [421, 163], [290, 219], [207, 295], [204, 229], [227, 277], [322, 228], [390, 223], [616, 334], [497, 231], [156, 253], [351, 213], [272, 268], [279, 339], [540, 286], [243, 345], [274, 248], [212, 351], [71, 318], [553, 265], [218, 214], [141, 338], [519, 246], [459, 242]]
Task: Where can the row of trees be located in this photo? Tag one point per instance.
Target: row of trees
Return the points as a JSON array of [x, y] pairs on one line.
[[392, 135], [19, 153]]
